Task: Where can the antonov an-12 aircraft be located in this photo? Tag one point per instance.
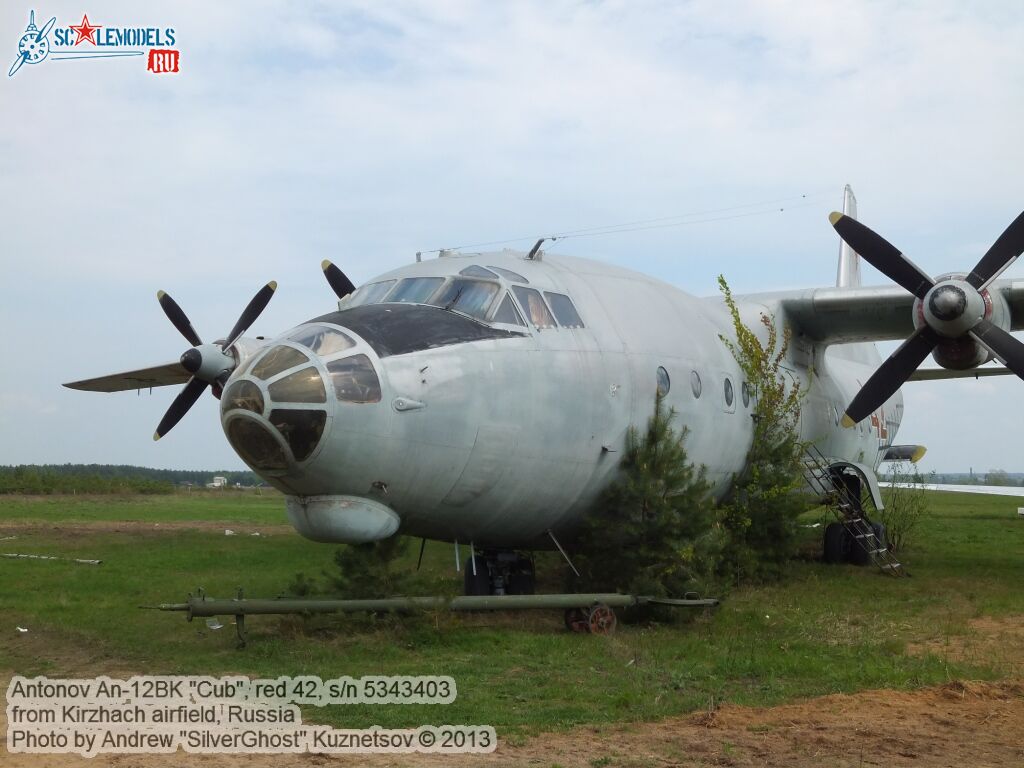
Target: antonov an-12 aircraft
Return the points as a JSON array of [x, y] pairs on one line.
[[484, 398]]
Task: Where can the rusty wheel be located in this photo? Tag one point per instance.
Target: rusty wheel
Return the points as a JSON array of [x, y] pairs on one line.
[[601, 620], [576, 620]]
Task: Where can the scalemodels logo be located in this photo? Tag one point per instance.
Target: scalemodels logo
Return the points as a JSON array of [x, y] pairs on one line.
[[86, 40]]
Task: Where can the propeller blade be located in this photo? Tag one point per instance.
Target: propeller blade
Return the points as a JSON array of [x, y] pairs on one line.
[[16, 65], [339, 280], [178, 317], [185, 400], [891, 375], [1001, 344], [250, 313], [1002, 254], [46, 29], [882, 255]]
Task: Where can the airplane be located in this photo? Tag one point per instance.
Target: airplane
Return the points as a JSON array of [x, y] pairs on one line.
[[485, 398]]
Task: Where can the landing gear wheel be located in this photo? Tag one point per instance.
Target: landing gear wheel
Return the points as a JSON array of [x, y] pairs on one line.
[[601, 620], [576, 620], [837, 543], [478, 583]]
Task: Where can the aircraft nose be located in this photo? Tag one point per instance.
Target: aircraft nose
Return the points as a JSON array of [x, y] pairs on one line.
[[278, 408]]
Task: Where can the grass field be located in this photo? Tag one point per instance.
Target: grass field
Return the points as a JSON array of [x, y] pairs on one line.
[[825, 630]]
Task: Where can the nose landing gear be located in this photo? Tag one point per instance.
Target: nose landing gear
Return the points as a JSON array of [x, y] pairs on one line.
[[499, 573]]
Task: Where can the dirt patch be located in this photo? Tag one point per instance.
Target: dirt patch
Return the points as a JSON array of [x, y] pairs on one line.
[[67, 529], [994, 642]]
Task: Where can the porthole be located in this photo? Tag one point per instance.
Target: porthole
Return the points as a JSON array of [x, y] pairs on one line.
[[695, 384], [745, 392], [664, 383], [728, 393]]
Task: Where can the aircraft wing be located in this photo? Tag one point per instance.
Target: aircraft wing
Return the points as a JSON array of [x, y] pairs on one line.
[[842, 315], [144, 378], [935, 374]]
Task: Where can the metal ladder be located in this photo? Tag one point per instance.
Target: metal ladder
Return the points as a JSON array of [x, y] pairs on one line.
[[849, 512]]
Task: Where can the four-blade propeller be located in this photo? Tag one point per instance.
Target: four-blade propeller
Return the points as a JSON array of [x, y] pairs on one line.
[[952, 309], [208, 363]]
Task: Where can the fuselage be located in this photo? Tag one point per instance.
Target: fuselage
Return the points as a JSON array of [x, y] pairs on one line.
[[472, 403]]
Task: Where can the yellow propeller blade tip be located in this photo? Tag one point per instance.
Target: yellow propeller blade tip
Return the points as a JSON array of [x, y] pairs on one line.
[[847, 421], [156, 436], [834, 217], [325, 264], [160, 295], [918, 454], [273, 285]]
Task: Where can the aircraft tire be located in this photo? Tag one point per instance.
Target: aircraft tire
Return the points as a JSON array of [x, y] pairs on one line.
[[478, 583], [837, 544]]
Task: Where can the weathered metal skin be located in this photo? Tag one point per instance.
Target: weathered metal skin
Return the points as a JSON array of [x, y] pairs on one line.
[[496, 441]]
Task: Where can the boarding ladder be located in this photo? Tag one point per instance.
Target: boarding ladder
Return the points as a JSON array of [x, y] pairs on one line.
[[849, 511]]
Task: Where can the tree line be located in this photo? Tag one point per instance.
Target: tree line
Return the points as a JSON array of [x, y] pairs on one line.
[[109, 478]]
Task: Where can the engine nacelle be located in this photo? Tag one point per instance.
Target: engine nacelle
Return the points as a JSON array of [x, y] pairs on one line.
[[964, 352]]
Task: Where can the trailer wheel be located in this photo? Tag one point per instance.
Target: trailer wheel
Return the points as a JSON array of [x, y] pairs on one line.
[[601, 620], [576, 620], [837, 543]]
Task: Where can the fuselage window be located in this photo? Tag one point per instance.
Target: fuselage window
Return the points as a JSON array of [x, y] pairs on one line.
[[695, 384], [474, 271], [728, 392], [276, 360], [414, 290], [507, 312], [303, 386], [256, 445], [322, 340], [564, 310], [354, 379], [745, 391], [369, 294], [471, 297], [664, 383], [508, 274], [535, 307]]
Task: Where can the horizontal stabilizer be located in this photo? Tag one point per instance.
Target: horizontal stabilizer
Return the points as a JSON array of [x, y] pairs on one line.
[[144, 378], [911, 453], [935, 374]]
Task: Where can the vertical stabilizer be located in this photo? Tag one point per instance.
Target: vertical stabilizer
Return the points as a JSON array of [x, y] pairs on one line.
[[848, 274]]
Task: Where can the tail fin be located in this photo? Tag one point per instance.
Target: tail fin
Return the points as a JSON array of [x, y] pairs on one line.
[[848, 274]]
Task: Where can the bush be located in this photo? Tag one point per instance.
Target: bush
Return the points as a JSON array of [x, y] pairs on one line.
[[905, 506], [372, 570]]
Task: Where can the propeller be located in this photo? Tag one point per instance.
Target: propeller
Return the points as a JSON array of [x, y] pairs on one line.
[[209, 364], [952, 309], [339, 281]]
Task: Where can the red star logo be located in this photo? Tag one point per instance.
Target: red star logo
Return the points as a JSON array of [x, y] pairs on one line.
[[85, 30]]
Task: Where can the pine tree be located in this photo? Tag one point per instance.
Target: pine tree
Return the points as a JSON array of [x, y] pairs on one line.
[[651, 532]]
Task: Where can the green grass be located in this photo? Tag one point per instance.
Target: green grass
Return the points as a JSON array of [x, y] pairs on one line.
[[824, 630]]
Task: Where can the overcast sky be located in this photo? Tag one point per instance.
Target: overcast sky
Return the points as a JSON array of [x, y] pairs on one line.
[[363, 132]]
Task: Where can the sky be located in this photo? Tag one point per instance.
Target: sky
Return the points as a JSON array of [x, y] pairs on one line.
[[364, 132]]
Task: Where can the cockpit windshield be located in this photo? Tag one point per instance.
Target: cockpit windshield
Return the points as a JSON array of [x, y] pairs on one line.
[[414, 290], [321, 339], [471, 297], [368, 294]]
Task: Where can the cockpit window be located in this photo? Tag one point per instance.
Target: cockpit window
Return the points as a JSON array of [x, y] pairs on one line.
[[256, 445], [414, 290], [471, 297], [321, 339], [276, 360], [304, 386], [507, 312], [369, 294], [508, 274], [354, 379], [398, 329], [534, 306], [243, 394], [474, 271], [564, 310], [301, 429]]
